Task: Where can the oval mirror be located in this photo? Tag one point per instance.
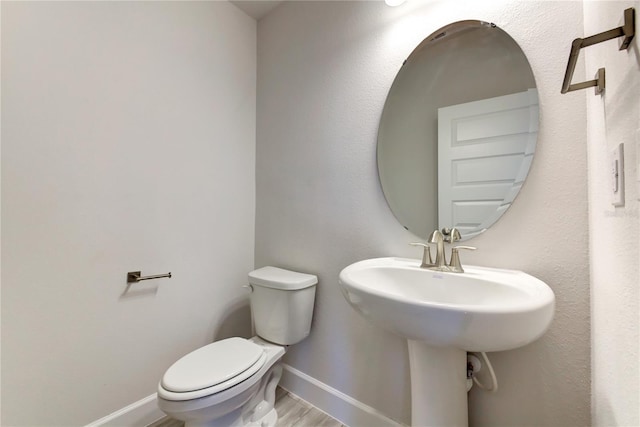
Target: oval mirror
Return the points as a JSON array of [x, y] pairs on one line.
[[458, 130]]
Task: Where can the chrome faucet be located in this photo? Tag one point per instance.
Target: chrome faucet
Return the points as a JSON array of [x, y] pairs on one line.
[[440, 262], [439, 239]]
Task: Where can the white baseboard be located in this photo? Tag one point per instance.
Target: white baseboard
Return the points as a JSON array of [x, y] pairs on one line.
[[139, 414], [340, 406]]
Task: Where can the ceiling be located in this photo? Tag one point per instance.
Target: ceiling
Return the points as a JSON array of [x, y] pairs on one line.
[[256, 9]]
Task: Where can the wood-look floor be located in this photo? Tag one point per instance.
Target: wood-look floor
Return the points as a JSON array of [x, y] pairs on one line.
[[292, 412]]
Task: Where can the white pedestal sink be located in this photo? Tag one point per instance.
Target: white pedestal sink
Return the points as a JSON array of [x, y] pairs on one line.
[[443, 316]]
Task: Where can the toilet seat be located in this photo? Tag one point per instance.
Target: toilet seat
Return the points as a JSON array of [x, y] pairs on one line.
[[212, 369]]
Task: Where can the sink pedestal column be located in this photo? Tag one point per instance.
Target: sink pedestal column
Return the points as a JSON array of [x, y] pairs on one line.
[[438, 386]]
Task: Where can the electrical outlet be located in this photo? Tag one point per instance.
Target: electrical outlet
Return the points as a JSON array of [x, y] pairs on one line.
[[617, 176]]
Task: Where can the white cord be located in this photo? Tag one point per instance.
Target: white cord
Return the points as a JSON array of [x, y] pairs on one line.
[[494, 380]]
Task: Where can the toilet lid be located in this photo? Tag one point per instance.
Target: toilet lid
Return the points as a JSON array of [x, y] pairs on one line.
[[214, 364]]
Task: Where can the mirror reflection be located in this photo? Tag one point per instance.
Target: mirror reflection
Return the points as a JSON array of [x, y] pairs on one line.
[[458, 130]]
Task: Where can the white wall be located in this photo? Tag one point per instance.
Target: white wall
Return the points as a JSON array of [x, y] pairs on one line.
[[613, 231], [324, 69], [128, 143]]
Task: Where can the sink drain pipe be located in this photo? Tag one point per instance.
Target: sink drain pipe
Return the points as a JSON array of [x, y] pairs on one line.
[[473, 367]]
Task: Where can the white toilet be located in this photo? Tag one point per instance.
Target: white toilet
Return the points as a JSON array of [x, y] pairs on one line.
[[232, 382]]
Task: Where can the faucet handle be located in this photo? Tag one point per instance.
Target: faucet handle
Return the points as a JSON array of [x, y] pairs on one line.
[[426, 254], [455, 265]]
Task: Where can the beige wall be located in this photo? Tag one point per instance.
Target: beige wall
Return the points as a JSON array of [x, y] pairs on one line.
[[128, 143], [613, 118], [324, 69]]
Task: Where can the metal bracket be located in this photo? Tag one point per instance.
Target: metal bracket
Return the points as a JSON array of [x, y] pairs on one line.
[[627, 31]]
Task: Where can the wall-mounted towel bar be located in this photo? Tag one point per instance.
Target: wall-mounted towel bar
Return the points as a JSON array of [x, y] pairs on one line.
[[627, 30], [136, 276]]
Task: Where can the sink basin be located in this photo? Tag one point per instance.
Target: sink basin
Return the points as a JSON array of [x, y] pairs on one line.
[[482, 309]]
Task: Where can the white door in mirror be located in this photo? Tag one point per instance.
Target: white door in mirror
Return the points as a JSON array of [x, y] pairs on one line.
[[485, 149]]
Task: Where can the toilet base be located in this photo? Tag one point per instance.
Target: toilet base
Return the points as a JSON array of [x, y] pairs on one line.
[[252, 407]]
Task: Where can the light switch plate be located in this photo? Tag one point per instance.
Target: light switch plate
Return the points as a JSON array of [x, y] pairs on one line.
[[617, 176]]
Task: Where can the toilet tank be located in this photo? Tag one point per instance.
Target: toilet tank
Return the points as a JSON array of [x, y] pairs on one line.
[[282, 304]]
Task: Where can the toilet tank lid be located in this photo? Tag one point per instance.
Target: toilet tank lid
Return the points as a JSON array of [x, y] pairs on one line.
[[278, 278]]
